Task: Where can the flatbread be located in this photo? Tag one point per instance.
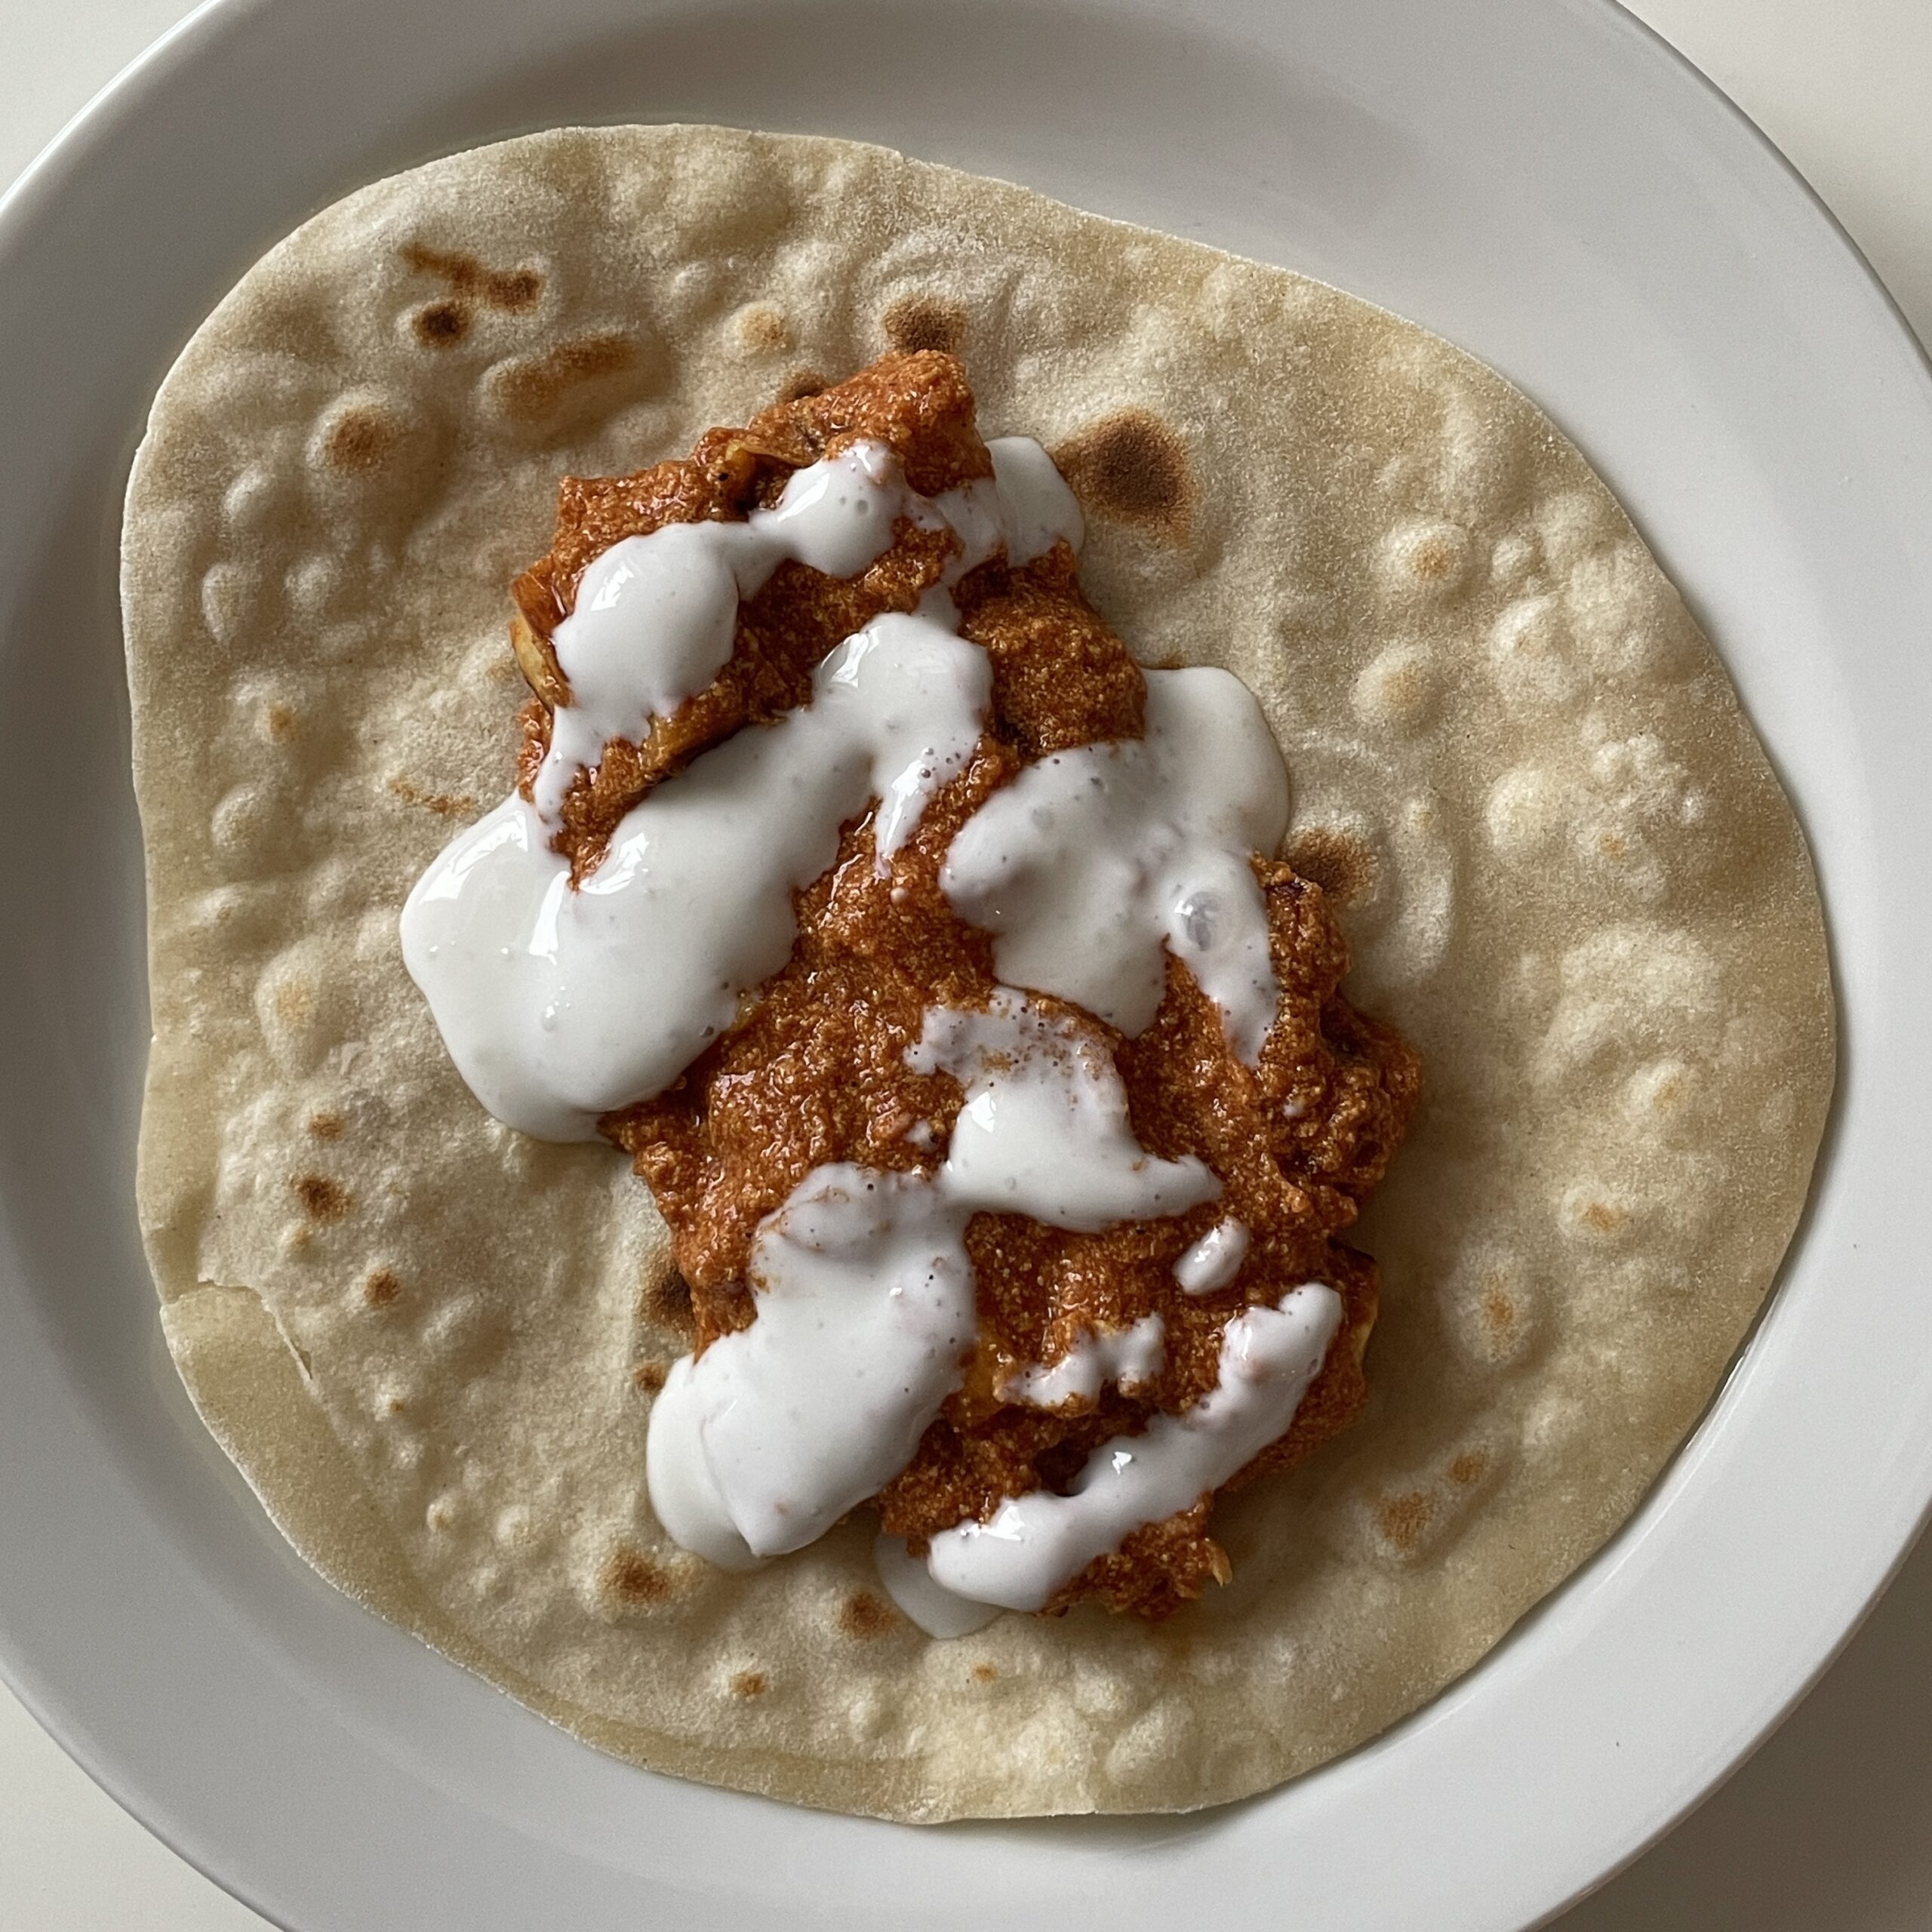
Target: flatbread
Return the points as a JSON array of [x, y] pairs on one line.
[[1567, 870]]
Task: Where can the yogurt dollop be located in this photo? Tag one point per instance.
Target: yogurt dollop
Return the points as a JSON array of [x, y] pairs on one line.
[[656, 616], [1036, 1544], [559, 1004], [1093, 864]]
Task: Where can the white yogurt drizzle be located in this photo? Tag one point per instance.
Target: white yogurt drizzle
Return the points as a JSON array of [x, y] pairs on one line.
[[560, 1004], [656, 616], [1025, 507], [1037, 1544], [1045, 1130], [557, 1005], [865, 1312], [1129, 1357], [934, 1609], [1091, 862], [865, 1318], [1214, 1260]]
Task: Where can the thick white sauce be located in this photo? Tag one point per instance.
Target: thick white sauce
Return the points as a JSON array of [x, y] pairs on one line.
[[865, 1320], [685, 1495], [1214, 1260], [656, 616], [1026, 507], [1045, 1130], [1037, 1544], [1128, 1357], [909, 1583], [557, 1005], [1091, 862]]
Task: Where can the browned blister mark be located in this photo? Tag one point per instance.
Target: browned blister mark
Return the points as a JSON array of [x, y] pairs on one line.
[[1131, 467], [800, 383], [631, 1577], [440, 324], [865, 1616], [322, 1199], [923, 322], [444, 805], [529, 390], [666, 1302], [359, 439], [512, 289]]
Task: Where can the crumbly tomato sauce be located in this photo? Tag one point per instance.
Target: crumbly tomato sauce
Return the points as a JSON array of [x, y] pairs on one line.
[[814, 1070]]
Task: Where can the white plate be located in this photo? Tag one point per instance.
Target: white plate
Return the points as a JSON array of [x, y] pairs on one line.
[[1540, 181]]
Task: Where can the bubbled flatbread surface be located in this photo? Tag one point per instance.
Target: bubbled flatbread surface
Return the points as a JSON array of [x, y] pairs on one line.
[[1565, 867]]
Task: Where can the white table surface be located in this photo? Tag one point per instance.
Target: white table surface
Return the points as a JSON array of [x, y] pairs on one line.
[[1830, 1825]]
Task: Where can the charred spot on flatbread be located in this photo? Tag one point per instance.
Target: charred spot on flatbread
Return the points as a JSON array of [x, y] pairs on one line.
[[515, 290], [666, 1302], [533, 389], [632, 1579], [924, 321], [381, 1287], [800, 383], [322, 1199], [866, 1615], [357, 439], [761, 328], [444, 805], [1132, 467], [440, 324]]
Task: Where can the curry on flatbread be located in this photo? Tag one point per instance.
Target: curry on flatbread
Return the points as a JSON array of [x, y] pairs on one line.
[[920, 948], [1088, 644]]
